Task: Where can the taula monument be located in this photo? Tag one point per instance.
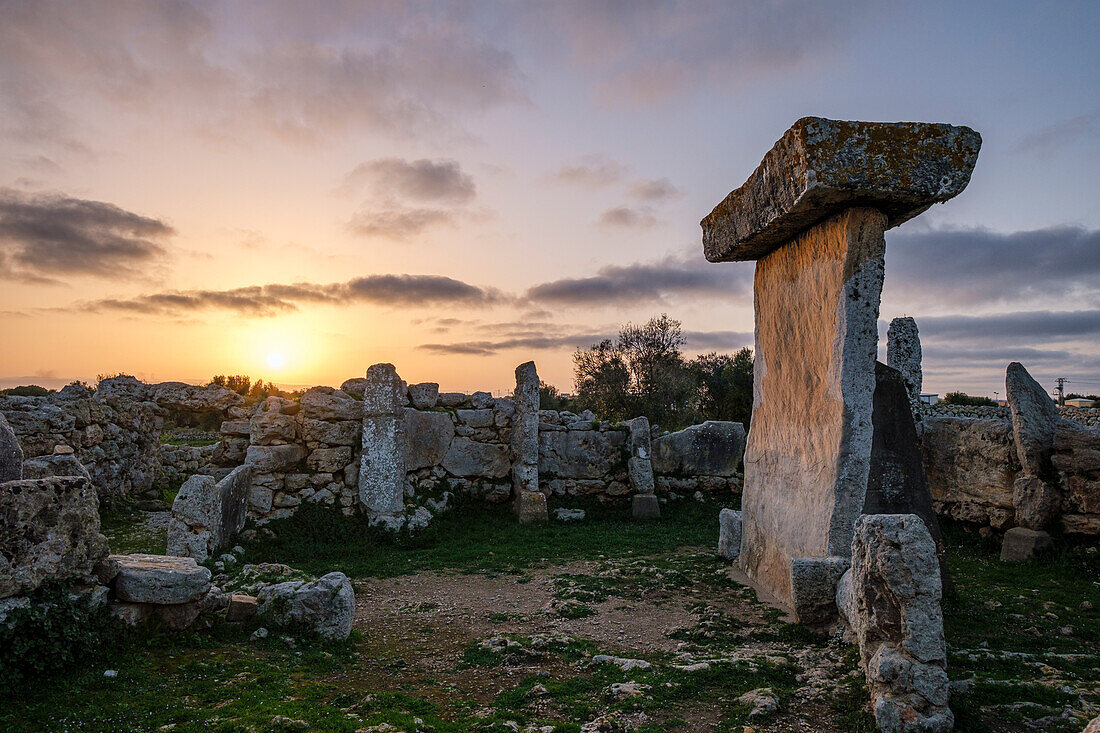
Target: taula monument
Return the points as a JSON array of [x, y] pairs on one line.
[[813, 216]]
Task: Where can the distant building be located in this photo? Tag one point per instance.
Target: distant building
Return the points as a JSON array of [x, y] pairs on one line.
[[927, 398], [1080, 402]]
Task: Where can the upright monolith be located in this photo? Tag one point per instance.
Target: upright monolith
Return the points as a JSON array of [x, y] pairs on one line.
[[813, 216], [382, 466], [530, 503]]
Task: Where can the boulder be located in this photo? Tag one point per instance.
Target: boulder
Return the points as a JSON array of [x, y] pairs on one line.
[[272, 428], [581, 453], [354, 387], [424, 396], [475, 418], [891, 601], [64, 464], [428, 435], [466, 457], [207, 515], [451, 400], [645, 506], [903, 353], [481, 400], [1034, 419], [241, 607], [1021, 544], [713, 448], [329, 460], [326, 403], [11, 454], [384, 393], [50, 531], [343, 432], [189, 398], [273, 458], [162, 579], [729, 534], [325, 606]]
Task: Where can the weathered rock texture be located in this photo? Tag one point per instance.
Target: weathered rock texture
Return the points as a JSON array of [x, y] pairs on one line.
[[1021, 544], [160, 579], [49, 530], [807, 460], [712, 448], [382, 466], [891, 601], [644, 504], [1034, 421], [821, 167], [207, 515], [729, 533], [525, 445], [813, 215], [11, 454], [325, 606], [903, 353]]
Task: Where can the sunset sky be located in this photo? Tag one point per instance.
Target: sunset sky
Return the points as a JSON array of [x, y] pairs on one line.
[[298, 190]]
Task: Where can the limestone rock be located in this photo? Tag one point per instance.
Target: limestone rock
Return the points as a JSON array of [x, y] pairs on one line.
[[241, 607], [382, 464], [424, 396], [482, 418], [525, 431], [343, 432], [971, 464], [813, 588], [452, 400], [354, 387], [640, 471], [65, 464], [183, 397], [329, 460], [1037, 501], [729, 533], [273, 458], [272, 428], [326, 403], [428, 435], [712, 448], [384, 393], [1034, 419], [11, 454], [481, 400], [466, 457], [530, 506], [162, 579], [903, 353], [50, 532], [581, 454], [645, 506], [821, 167], [325, 606], [179, 616], [1021, 544], [891, 600], [207, 515]]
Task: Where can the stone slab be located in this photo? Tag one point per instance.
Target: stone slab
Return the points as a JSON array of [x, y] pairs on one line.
[[164, 579], [821, 167], [729, 533], [1021, 544], [530, 506], [807, 459], [11, 454], [645, 506], [712, 448]]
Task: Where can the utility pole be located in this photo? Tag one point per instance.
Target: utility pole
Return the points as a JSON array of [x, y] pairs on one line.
[[1061, 391]]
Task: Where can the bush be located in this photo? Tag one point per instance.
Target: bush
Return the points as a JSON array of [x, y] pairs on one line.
[[26, 390], [961, 398], [55, 632]]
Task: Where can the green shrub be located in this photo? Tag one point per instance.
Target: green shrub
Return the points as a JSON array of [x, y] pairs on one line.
[[961, 398], [54, 632]]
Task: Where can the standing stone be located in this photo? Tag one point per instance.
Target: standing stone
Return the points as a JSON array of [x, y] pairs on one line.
[[891, 601], [813, 215], [897, 483], [1035, 496], [207, 515], [11, 455], [644, 504], [382, 466], [904, 354], [525, 446], [729, 533], [1021, 544]]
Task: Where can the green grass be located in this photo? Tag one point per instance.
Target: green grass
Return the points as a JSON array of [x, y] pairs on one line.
[[127, 534], [478, 539]]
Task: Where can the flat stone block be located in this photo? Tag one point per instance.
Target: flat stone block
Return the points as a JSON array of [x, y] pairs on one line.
[[645, 506], [1021, 544], [240, 607], [162, 579], [814, 587], [820, 167], [530, 506]]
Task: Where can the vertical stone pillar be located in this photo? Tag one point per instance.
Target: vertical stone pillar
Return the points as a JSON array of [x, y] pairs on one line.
[[11, 453], [382, 465], [530, 503], [813, 216], [640, 468], [903, 353]]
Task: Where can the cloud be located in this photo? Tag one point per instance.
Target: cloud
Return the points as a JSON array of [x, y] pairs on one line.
[[1047, 140], [490, 347], [273, 299], [399, 223], [674, 276], [981, 267], [650, 189], [643, 53], [46, 235], [625, 216], [591, 171], [420, 180], [719, 340], [1033, 326]]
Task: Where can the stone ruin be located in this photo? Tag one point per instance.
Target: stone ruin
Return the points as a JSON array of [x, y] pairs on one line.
[[832, 435]]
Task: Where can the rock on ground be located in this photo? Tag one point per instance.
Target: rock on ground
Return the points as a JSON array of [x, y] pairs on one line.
[[325, 606], [161, 579]]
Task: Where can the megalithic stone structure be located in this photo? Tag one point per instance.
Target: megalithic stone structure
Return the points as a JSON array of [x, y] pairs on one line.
[[530, 503], [813, 216], [904, 354], [382, 464]]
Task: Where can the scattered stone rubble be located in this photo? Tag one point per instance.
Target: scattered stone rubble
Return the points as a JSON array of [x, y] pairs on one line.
[[325, 606]]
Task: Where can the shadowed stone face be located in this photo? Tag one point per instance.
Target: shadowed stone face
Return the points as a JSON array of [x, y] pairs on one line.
[[820, 167]]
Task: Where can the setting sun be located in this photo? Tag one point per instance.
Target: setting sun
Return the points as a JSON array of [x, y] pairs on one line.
[[275, 360]]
